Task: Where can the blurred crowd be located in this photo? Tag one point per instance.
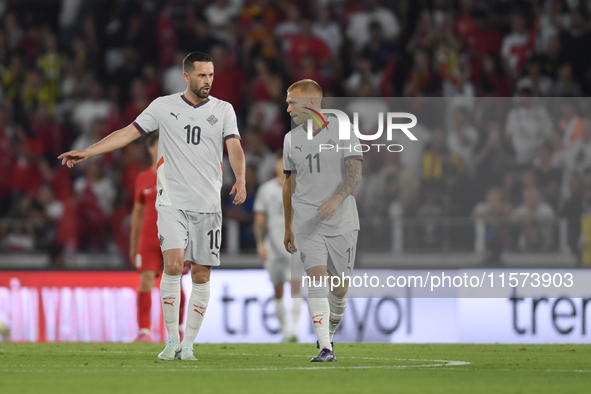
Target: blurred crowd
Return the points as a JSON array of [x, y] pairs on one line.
[[72, 71]]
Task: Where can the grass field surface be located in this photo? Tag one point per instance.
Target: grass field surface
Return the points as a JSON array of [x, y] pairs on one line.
[[286, 368]]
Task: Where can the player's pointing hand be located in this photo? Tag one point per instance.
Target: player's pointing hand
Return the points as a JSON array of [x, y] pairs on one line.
[[73, 157], [240, 189]]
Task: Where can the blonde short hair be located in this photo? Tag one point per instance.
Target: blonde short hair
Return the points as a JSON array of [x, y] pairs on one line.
[[306, 86]]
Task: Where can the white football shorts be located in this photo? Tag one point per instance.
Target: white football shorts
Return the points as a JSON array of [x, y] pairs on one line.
[[200, 234]]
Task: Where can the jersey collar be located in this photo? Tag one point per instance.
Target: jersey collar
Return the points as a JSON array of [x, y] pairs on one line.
[[186, 100]]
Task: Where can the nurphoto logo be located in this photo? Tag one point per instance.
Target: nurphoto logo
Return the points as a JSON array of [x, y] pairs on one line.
[[345, 127]]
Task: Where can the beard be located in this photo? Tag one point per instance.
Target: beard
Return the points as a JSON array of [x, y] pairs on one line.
[[199, 91]]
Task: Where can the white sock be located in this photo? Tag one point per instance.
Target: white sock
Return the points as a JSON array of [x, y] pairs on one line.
[[170, 292], [319, 311], [196, 311], [280, 314], [296, 309], [337, 310]]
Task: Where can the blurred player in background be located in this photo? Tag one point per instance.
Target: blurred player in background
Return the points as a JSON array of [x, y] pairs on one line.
[[193, 128], [268, 229], [144, 250], [319, 185]]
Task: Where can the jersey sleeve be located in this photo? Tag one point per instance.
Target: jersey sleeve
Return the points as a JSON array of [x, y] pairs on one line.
[[230, 127], [288, 164], [138, 195], [349, 153], [147, 121], [260, 203]]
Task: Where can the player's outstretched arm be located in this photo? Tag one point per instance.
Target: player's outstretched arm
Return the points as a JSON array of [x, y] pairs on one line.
[[288, 185], [330, 206], [236, 156], [115, 140]]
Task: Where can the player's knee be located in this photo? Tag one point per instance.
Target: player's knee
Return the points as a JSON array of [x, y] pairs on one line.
[[173, 267], [200, 274]]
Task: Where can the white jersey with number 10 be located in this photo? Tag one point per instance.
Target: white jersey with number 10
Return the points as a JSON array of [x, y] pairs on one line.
[[190, 149]]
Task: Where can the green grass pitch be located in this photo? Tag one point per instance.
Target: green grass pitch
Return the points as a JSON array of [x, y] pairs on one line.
[[286, 368]]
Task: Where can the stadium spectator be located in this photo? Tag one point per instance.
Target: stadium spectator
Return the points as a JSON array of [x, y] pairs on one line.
[[575, 206], [94, 107], [52, 63], [439, 163], [462, 137], [494, 211], [76, 82], [483, 40], [493, 156], [528, 126], [565, 85], [575, 45], [153, 83], [304, 43], [465, 23], [358, 29], [492, 81], [266, 85], [423, 35], [258, 155], [549, 177], [571, 124], [229, 78], [363, 75], [220, 12], [290, 27], [578, 155], [118, 27], [52, 211], [328, 30], [97, 185], [139, 101], [18, 235], [518, 44], [540, 84], [533, 217], [553, 58], [172, 79], [377, 50], [422, 80]]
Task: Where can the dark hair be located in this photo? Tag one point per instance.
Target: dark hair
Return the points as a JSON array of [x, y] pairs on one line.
[[152, 138], [195, 57]]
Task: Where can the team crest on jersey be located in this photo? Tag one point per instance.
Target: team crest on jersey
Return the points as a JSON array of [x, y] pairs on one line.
[[303, 257], [212, 120]]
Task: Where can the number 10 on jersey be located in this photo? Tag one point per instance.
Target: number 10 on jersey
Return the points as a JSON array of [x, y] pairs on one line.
[[193, 134]]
